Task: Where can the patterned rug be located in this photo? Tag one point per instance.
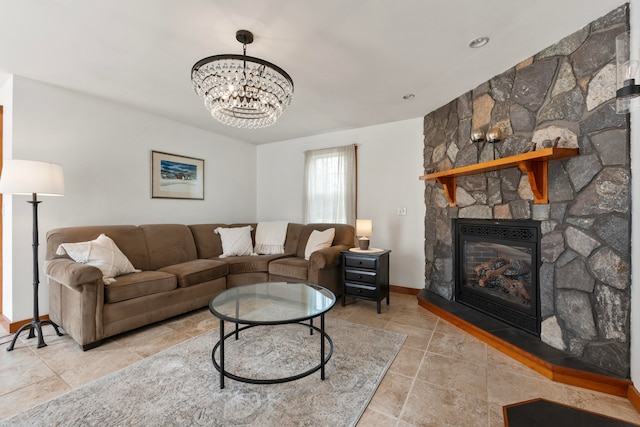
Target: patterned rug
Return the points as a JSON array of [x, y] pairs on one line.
[[180, 386]]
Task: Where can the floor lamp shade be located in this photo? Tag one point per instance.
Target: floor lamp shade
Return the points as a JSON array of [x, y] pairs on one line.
[[31, 177]]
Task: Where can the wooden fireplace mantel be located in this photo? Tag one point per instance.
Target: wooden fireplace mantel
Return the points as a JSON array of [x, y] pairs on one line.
[[534, 164]]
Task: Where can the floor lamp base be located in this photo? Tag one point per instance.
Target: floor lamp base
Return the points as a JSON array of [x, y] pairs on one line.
[[33, 326]]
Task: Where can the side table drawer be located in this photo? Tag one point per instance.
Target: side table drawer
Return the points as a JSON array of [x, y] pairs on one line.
[[361, 262], [360, 276], [360, 290]]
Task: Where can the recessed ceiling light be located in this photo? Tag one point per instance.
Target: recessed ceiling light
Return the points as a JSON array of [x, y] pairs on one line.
[[479, 42], [408, 96]]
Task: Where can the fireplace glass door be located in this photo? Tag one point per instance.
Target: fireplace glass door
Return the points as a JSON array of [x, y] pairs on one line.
[[497, 270]]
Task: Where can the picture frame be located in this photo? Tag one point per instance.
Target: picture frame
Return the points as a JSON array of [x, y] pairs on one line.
[[176, 177]]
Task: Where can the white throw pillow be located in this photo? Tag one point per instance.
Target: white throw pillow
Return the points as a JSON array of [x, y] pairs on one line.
[[319, 240], [102, 253], [236, 241]]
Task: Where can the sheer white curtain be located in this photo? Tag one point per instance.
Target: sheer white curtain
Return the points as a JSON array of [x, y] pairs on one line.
[[330, 185]]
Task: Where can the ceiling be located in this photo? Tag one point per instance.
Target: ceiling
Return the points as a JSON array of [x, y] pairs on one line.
[[351, 61]]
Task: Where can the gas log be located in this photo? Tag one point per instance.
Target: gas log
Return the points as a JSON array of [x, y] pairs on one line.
[[504, 275]]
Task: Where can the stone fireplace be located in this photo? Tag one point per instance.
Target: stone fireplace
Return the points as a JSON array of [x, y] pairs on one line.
[[566, 91]]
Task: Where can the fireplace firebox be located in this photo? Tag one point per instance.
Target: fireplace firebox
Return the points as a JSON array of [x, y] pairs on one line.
[[496, 269]]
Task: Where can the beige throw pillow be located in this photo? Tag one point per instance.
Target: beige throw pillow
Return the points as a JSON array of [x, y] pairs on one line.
[[319, 240], [102, 253], [236, 241]]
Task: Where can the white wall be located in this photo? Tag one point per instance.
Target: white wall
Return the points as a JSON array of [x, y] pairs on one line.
[[389, 164], [105, 149], [635, 209]]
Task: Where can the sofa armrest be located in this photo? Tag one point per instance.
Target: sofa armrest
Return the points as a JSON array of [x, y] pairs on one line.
[[76, 300], [70, 273], [326, 258]]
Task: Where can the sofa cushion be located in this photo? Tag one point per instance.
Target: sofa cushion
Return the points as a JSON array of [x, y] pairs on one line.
[[168, 244], [294, 267], [136, 285], [197, 271], [208, 243], [250, 264], [101, 253]]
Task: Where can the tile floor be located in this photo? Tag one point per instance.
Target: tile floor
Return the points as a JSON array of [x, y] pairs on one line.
[[441, 377]]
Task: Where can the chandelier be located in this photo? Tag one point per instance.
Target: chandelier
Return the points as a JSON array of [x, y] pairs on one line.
[[240, 90]]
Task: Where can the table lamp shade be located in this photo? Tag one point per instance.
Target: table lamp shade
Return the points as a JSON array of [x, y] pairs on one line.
[[364, 227], [31, 177]]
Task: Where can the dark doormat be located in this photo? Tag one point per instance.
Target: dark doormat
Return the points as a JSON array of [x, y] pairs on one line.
[[544, 413]]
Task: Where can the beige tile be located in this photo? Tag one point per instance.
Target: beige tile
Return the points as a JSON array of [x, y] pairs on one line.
[[458, 345], [432, 406], [361, 308], [496, 417], [505, 388], [371, 418], [194, 324], [96, 363], [405, 302], [368, 320], [605, 404], [391, 394], [420, 319], [456, 375], [20, 368], [31, 395], [143, 333], [407, 361], [153, 345], [498, 360], [417, 337]]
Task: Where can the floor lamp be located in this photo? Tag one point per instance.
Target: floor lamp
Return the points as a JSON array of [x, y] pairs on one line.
[[34, 178]]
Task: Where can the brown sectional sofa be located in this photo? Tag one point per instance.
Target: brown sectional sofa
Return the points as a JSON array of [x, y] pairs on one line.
[[181, 270]]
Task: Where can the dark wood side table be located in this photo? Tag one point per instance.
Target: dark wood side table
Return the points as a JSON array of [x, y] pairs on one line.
[[365, 275]]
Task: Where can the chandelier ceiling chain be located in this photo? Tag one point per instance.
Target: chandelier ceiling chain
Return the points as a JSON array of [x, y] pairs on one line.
[[240, 90]]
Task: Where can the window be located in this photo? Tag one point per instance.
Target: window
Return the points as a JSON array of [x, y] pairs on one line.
[[330, 185]]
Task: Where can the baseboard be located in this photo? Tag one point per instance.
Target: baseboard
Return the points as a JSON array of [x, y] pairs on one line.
[[5, 322], [634, 397], [14, 326], [404, 290]]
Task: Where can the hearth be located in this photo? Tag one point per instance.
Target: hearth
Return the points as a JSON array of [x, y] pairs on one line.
[[496, 269]]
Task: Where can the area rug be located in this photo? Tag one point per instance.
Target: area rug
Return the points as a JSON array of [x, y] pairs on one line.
[[541, 412], [180, 386]]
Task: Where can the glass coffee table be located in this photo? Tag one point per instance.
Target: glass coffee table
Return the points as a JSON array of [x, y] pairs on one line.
[[272, 303]]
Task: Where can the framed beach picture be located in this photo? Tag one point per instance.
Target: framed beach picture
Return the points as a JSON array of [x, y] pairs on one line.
[[176, 177]]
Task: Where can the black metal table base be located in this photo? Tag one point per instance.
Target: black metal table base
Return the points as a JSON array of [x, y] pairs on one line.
[[320, 367], [33, 326]]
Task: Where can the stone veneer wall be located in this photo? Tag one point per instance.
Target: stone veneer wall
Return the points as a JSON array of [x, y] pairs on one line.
[[567, 90]]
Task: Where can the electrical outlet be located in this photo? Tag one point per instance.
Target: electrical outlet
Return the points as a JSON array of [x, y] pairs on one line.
[[402, 211]]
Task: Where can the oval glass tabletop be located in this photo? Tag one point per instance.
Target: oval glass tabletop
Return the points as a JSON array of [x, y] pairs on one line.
[[272, 303]]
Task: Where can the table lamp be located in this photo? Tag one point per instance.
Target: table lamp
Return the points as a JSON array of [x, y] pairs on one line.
[[364, 227], [34, 178]]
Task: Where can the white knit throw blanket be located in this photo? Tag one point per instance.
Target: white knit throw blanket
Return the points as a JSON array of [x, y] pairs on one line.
[[270, 237]]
